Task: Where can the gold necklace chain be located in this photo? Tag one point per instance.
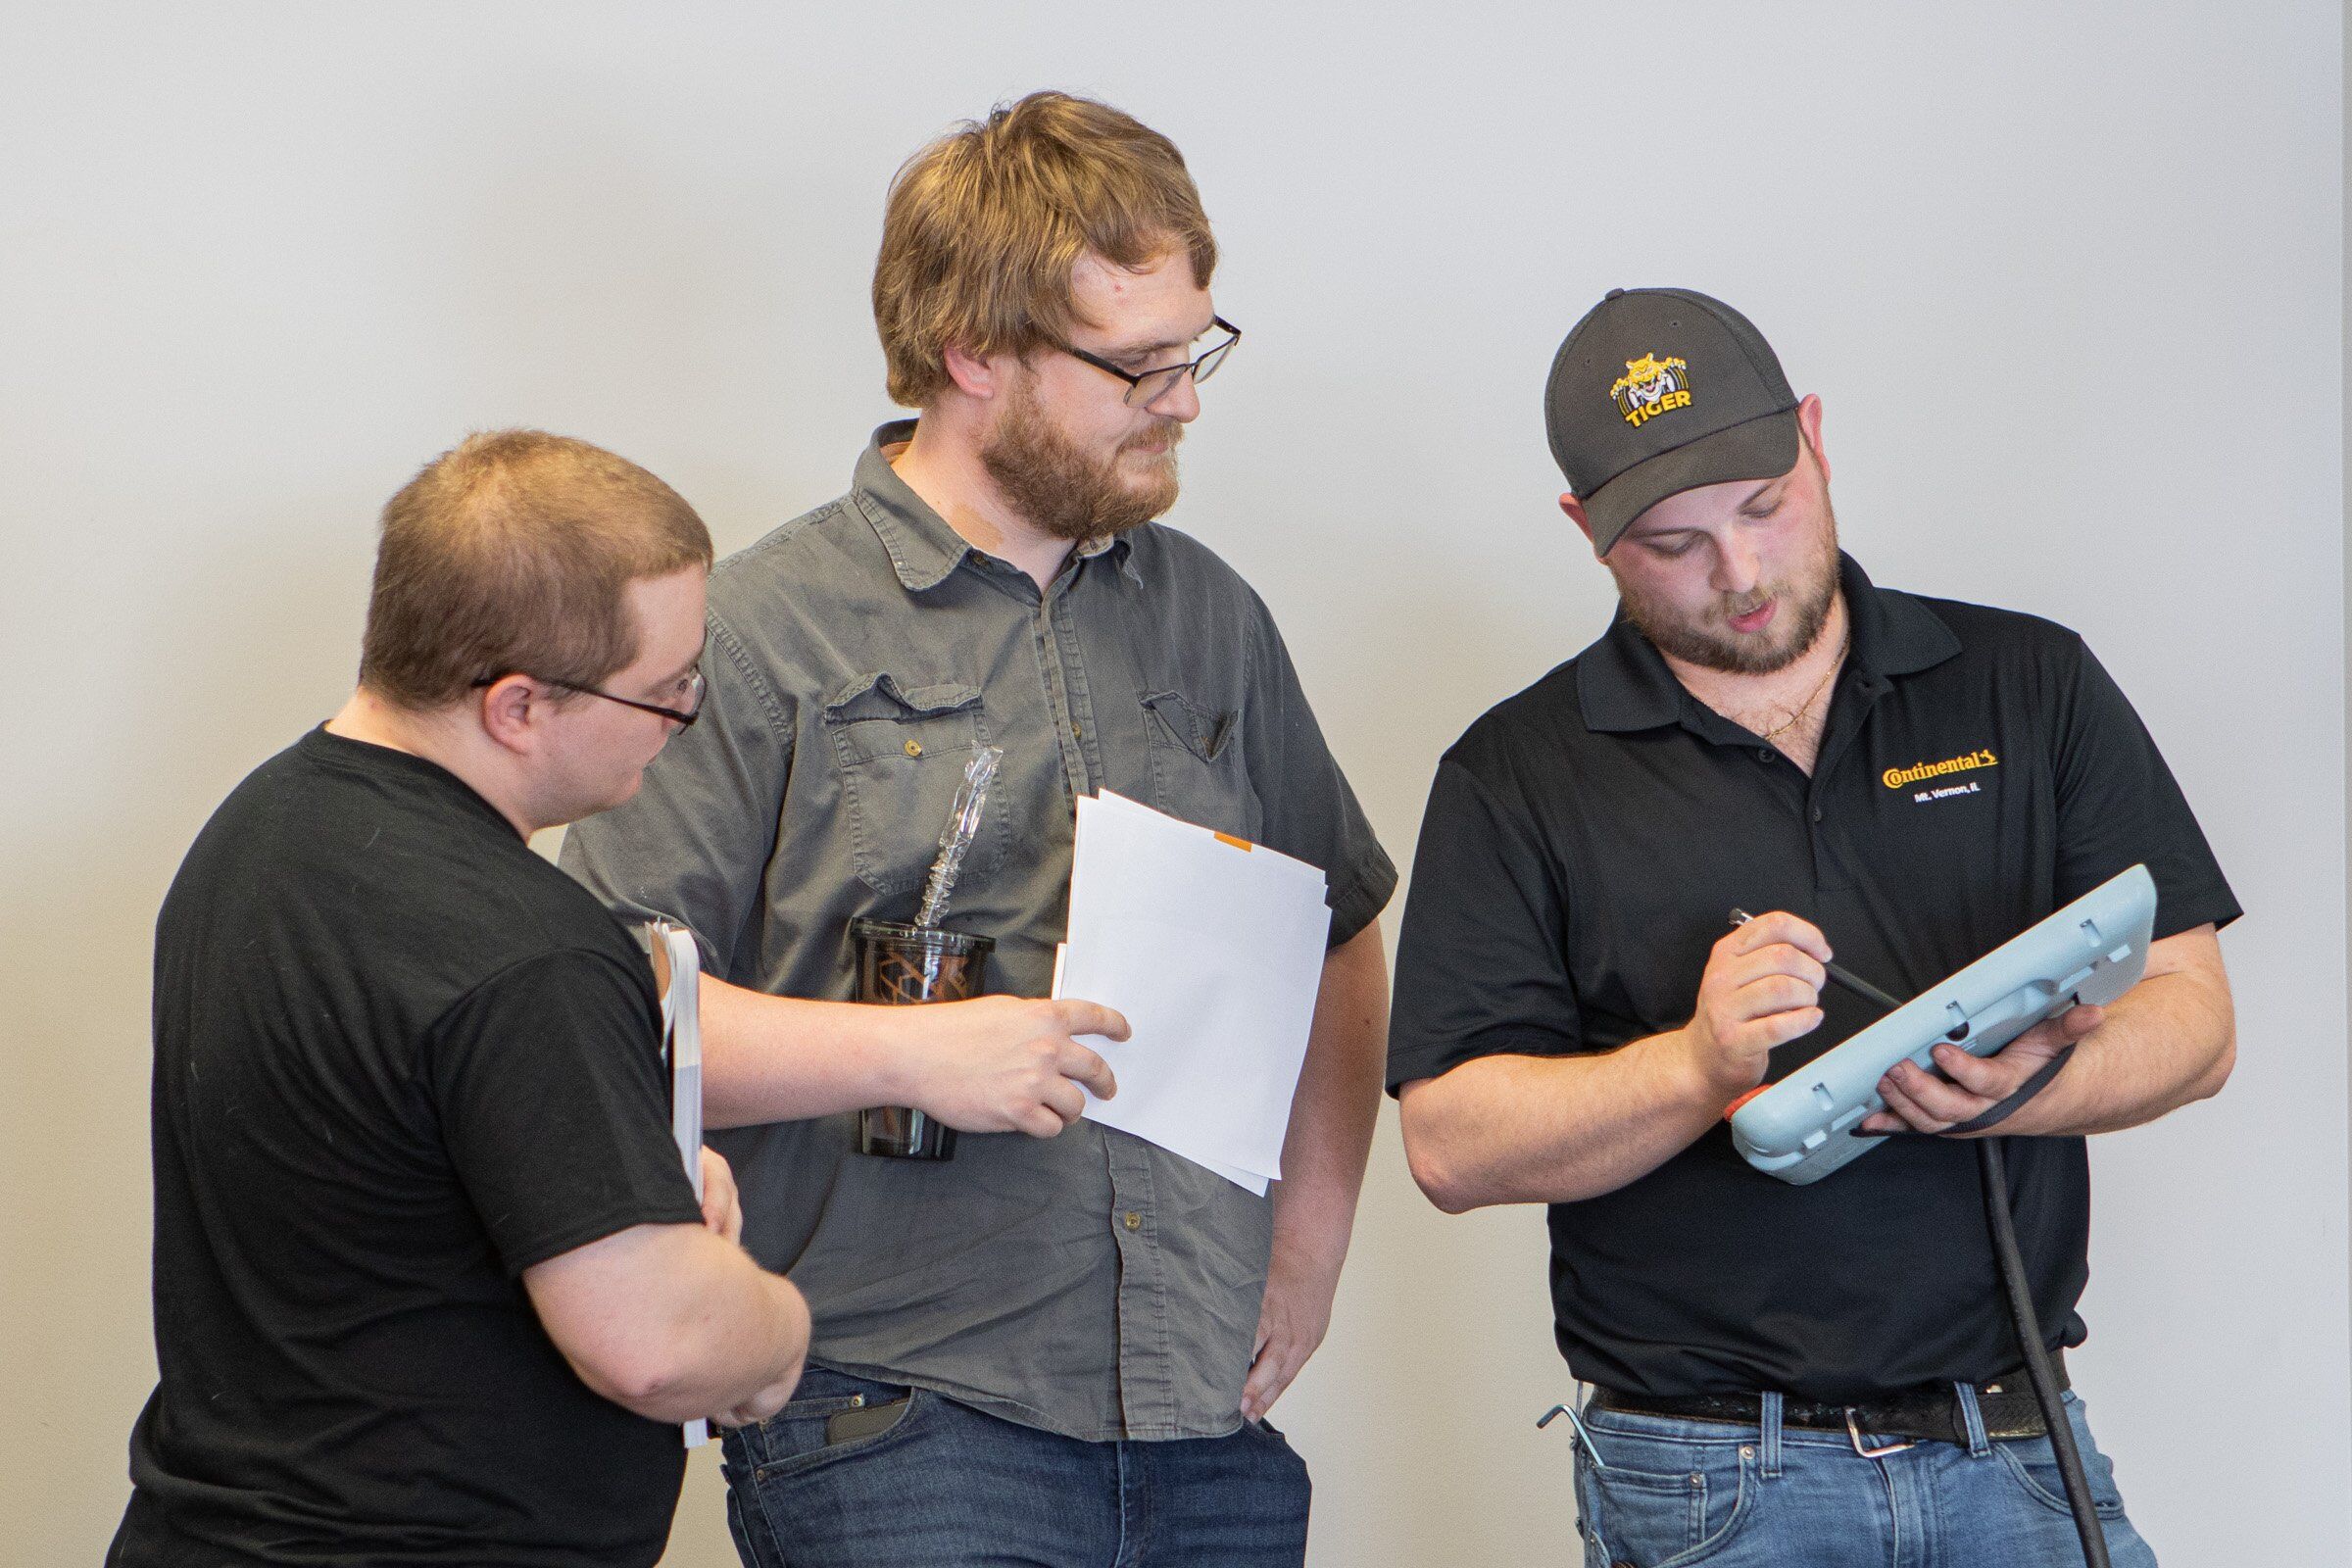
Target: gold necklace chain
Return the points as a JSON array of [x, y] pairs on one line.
[[1843, 647]]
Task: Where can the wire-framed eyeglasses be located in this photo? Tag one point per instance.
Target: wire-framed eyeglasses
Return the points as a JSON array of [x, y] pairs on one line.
[[1147, 388]]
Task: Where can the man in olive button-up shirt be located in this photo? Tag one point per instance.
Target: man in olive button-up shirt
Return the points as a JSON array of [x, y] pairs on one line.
[[1027, 1320]]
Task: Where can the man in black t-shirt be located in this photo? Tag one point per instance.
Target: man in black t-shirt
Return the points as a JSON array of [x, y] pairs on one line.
[[1821, 1374], [431, 1282]]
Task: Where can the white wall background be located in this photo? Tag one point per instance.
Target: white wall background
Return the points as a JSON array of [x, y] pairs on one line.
[[2067, 278]]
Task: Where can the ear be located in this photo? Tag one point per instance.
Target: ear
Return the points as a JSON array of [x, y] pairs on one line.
[[1808, 420], [1575, 510], [974, 377], [511, 710]]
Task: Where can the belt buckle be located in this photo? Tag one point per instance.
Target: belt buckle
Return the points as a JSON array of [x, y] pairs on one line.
[[1854, 1435]]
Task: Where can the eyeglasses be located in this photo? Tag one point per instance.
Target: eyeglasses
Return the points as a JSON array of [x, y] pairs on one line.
[[680, 716], [1148, 387]]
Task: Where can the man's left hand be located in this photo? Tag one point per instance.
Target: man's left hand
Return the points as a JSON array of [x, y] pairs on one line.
[[1916, 1101], [1289, 1325], [722, 1210]]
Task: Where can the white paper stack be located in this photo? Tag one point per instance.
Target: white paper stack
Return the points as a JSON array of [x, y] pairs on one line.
[[1212, 949], [678, 969]]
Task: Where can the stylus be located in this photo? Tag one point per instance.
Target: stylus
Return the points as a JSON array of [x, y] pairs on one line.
[[1852, 982]]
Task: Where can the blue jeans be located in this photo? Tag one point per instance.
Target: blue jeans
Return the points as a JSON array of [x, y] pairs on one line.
[[1675, 1494], [947, 1485]]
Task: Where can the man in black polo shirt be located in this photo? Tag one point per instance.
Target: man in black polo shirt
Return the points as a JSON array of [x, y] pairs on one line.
[[431, 1285], [1784, 1374]]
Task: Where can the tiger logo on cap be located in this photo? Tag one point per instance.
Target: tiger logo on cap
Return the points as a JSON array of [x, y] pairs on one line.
[[1650, 387]]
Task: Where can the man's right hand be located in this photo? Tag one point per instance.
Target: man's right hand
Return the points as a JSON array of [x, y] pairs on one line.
[[756, 1407], [1761, 989], [1004, 1064]]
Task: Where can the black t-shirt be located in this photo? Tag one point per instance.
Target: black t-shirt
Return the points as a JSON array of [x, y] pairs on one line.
[[1584, 845], [399, 1058]]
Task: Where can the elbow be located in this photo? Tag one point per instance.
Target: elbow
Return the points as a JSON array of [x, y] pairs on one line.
[[649, 1368], [647, 1382], [692, 1365], [644, 1383], [1442, 1180], [1437, 1182], [1432, 1180], [1453, 1200], [2210, 1083]]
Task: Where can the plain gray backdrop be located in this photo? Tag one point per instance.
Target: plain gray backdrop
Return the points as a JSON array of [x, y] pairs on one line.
[[2068, 280]]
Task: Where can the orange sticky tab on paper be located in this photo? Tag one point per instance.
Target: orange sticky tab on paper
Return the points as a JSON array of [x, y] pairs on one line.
[[1743, 1100], [1239, 844]]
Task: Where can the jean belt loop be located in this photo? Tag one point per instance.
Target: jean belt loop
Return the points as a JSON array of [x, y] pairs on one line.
[[1771, 1436], [1980, 1447]]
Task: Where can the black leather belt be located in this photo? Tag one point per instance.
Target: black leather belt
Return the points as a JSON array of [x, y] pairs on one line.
[[1928, 1414]]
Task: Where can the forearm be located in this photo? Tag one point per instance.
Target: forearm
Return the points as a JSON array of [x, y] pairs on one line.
[[1553, 1129], [990, 1064], [2168, 1039], [783, 1059], [670, 1321], [744, 1331], [1335, 1111]]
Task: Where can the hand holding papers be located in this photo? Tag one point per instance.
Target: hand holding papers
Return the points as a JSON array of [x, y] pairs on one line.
[[1214, 950]]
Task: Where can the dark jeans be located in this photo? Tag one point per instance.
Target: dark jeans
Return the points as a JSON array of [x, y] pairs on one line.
[[947, 1485]]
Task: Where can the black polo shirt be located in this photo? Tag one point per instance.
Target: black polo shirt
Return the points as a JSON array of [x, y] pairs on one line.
[[1583, 846]]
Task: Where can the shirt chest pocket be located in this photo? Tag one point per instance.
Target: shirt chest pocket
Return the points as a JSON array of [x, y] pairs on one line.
[[901, 746], [1198, 770]]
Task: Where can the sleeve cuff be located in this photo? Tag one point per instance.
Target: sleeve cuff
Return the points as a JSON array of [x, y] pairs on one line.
[[1367, 893], [585, 1232], [2216, 908], [1433, 1059]]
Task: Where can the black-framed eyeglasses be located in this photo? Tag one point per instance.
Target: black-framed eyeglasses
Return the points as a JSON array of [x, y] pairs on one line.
[[683, 717], [1147, 388]]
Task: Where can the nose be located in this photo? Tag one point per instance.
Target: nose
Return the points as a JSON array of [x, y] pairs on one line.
[[1181, 402], [1738, 569]]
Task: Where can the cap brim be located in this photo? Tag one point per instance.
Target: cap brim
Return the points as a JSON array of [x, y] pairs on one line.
[[1762, 448]]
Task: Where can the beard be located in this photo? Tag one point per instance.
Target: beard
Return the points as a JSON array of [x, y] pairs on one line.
[[1065, 492], [1708, 642]]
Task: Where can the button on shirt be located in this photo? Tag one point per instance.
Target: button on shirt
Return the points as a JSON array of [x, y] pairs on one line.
[[1090, 1283], [1583, 847]]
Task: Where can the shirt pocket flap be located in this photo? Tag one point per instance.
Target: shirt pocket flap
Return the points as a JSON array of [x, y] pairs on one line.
[[881, 715], [881, 694]]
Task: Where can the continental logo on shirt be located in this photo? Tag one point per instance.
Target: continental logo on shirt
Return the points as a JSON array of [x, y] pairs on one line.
[[1651, 386], [1895, 778]]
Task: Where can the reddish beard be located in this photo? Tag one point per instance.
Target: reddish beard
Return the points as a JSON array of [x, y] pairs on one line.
[[1805, 601], [1065, 491]]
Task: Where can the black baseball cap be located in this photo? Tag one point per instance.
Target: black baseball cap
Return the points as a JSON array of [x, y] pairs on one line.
[[1661, 390]]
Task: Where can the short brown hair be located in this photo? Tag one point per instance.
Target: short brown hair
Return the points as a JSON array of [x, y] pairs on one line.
[[984, 224], [510, 552]]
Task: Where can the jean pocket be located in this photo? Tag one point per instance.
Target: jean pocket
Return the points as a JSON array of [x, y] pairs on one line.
[[1198, 772], [2033, 1464], [795, 1439], [901, 745], [1657, 1517]]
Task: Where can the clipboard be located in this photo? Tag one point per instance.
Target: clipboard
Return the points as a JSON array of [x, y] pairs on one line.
[[1800, 1129], [677, 975]]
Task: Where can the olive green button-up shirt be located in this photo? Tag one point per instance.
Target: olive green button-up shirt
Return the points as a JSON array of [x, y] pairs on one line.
[[1090, 1284]]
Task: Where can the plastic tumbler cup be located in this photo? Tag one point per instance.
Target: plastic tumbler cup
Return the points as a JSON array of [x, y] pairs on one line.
[[900, 964]]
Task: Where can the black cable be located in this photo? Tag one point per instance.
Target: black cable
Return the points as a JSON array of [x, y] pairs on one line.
[[2038, 1358]]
